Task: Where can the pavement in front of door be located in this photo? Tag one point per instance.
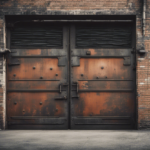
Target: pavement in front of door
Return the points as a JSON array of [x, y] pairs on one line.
[[74, 140]]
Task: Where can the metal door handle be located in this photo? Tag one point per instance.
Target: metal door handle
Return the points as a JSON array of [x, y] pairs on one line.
[[60, 88], [64, 84], [75, 96], [77, 89], [60, 98]]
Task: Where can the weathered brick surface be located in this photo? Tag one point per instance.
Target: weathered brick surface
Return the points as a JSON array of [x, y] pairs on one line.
[[90, 7]]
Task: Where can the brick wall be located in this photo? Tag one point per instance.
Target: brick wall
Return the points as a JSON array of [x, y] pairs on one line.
[[89, 7], [143, 76]]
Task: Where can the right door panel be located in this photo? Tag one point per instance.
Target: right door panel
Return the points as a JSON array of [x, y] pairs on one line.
[[102, 77]]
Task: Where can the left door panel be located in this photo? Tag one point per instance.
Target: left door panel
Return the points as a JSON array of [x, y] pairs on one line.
[[37, 78]]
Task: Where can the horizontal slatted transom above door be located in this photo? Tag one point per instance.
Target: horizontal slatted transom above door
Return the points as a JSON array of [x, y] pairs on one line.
[[103, 37], [35, 37]]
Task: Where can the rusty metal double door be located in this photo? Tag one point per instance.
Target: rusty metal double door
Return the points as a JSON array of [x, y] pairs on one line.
[[72, 86]]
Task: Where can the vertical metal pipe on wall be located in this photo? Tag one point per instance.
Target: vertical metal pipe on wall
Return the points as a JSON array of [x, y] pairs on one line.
[[144, 16]]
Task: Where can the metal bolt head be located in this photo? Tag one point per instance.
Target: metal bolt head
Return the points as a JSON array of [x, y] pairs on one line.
[[15, 103], [51, 68], [41, 77], [82, 75], [14, 75], [97, 77], [33, 67], [105, 76], [40, 103], [102, 67], [56, 74]]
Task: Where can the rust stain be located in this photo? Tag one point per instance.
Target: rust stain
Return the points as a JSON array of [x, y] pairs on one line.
[[96, 72], [91, 69], [93, 52], [32, 52], [42, 69], [104, 104], [30, 103], [83, 85], [59, 111]]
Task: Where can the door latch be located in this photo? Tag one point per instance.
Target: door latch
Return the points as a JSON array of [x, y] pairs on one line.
[[61, 98], [75, 96], [77, 89], [64, 84]]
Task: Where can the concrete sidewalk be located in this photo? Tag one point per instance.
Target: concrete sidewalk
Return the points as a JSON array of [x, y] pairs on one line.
[[74, 140]]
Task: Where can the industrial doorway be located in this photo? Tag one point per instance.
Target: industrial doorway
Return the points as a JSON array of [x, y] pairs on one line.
[[71, 75]]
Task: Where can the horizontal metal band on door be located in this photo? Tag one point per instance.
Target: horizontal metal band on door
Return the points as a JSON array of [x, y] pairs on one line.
[[37, 121], [31, 80], [33, 117], [101, 120], [126, 90], [32, 90], [100, 56], [90, 20], [107, 80], [118, 53], [117, 90], [36, 56]]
